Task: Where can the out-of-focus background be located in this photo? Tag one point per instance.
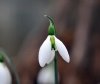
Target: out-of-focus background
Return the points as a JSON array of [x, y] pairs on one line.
[[23, 29]]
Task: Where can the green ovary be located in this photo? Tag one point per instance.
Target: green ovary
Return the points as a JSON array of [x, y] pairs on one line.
[[52, 40]]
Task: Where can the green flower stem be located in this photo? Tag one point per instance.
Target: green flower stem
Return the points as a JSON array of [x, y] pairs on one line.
[[56, 68], [51, 32], [13, 68]]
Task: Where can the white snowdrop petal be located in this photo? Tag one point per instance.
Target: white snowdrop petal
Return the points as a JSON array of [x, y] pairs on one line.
[[45, 52], [51, 57], [46, 75], [62, 50], [5, 76]]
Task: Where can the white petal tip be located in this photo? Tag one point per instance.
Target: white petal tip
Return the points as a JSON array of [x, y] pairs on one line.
[[42, 64], [68, 60]]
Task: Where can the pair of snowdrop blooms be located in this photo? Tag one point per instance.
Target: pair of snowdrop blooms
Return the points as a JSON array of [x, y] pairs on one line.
[[5, 75], [50, 46]]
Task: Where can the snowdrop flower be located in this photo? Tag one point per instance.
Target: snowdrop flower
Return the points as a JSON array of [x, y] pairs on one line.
[[50, 46], [5, 75], [46, 75]]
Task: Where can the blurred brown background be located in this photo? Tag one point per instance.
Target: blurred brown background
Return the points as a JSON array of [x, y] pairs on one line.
[[23, 29]]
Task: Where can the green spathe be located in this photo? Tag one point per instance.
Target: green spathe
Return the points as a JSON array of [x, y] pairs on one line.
[[51, 30]]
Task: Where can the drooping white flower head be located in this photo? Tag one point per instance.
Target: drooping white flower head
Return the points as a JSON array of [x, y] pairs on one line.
[[5, 75], [46, 75], [50, 45]]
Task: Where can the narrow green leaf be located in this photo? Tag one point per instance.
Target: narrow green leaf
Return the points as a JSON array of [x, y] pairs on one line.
[[52, 39]]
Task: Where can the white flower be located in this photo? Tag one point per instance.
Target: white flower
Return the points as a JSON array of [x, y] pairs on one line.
[[46, 75], [47, 53], [50, 45], [5, 75]]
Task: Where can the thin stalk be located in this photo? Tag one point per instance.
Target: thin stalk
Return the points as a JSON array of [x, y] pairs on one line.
[[56, 68], [13, 68]]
